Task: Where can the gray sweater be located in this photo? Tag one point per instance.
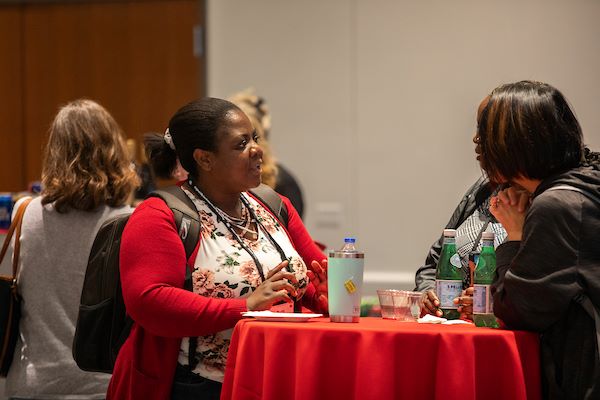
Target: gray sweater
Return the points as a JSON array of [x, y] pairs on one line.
[[54, 253]]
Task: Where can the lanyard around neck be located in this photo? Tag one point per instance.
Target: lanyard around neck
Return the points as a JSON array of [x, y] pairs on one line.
[[219, 214]]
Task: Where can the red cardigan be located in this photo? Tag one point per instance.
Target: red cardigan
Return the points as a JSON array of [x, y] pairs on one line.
[[152, 277]]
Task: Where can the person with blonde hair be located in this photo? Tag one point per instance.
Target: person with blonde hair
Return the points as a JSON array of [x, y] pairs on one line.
[[273, 174], [87, 178]]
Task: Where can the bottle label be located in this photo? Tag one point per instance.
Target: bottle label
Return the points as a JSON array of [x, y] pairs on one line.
[[455, 260], [447, 291], [482, 299]]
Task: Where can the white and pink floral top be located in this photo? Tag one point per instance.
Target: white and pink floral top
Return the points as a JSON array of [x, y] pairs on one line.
[[223, 269]]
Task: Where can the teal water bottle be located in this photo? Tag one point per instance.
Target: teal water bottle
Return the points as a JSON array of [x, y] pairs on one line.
[[344, 282], [483, 314], [449, 276]]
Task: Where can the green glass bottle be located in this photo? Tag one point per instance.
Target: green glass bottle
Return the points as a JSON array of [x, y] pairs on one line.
[[483, 314], [449, 276]]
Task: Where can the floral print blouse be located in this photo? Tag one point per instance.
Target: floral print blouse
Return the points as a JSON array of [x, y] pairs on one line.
[[224, 269]]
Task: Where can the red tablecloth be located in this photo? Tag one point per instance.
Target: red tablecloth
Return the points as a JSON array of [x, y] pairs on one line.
[[379, 359]]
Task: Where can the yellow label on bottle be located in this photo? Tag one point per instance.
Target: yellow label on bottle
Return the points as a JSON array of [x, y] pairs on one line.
[[350, 286]]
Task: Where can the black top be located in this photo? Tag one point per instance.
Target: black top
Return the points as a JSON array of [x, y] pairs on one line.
[[541, 278], [287, 186]]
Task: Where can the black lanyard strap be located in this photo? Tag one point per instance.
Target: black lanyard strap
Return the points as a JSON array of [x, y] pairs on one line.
[[266, 231], [297, 304], [478, 239]]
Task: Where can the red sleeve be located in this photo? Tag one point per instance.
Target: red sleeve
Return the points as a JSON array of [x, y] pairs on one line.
[[152, 267], [307, 249]]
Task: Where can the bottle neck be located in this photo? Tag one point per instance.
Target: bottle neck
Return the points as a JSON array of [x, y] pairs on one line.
[[449, 240], [487, 243]]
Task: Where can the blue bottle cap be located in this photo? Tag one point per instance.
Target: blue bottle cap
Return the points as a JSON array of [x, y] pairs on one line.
[[349, 240]]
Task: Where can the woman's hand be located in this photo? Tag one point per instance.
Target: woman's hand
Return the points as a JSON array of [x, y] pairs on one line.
[[431, 304], [317, 274], [509, 208], [465, 304], [275, 288]]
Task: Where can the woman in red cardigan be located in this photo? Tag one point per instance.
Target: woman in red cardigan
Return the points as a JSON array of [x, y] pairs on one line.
[[245, 259]]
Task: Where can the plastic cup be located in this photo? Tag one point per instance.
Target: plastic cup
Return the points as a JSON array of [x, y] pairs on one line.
[[386, 301], [407, 305]]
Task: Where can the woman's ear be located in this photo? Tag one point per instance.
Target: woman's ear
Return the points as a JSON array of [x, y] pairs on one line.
[[204, 159]]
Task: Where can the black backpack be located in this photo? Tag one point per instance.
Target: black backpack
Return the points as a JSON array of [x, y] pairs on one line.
[[102, 323]]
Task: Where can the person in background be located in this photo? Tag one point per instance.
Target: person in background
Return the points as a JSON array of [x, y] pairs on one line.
[[245, 259], [87, 178], [274, 174], [548, 270], [143, 170], [179, 174]]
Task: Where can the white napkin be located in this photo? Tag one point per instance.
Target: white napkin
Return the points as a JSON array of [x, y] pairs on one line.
[[457, 322], [432, 319]]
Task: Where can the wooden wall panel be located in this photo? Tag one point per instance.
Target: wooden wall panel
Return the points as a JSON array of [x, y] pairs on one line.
[[11, 136], [135, 58]]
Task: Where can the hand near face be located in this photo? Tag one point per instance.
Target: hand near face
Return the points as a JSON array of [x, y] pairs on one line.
[[431, 304], [509, 208], [465, 304], [317, 274], [275, 288]]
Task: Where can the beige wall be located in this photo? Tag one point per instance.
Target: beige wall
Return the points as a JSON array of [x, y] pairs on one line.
[[374, 101]]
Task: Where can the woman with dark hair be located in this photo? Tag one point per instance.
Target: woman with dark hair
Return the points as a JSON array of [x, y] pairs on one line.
[[245, 259], [548, 271], [87, 178]]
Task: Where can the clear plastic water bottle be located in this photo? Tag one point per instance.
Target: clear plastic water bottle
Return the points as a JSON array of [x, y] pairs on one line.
[[345, 279], [483, 314], [349, 245]]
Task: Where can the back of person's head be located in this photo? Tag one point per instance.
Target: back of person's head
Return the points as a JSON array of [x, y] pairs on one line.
[[86, 163], [527, 129], [194, 126], [257, 111]]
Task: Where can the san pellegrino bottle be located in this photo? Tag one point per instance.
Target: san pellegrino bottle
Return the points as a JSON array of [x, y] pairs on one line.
[[449, 276], [483, 314]]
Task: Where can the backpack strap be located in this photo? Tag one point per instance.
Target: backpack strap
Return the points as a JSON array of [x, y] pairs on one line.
[[271, 199], [187, 222], [186, 216], [587, 194]]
